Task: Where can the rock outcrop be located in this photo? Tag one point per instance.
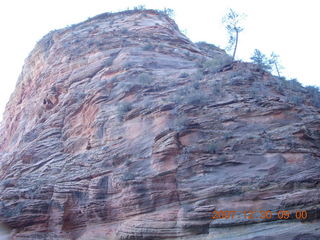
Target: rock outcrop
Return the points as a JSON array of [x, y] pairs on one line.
[[121, 128]]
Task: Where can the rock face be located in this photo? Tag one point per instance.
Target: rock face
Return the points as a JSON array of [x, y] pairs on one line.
[[121, 128]]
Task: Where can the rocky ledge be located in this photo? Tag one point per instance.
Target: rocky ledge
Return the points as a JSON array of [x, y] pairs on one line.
[[121, 128]]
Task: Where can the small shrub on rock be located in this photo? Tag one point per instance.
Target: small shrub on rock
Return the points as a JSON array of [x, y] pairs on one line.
[[128, 176], [195, 98], [196, 85], [180, 123], [148, 47], [261, 60], [296, 100], [314, 94], [184, 75], [145, 79], [128, 65], [213, 148], [215, 64], [294, 85], [123, 109], [124, 31], [139, 8], [217, 89], [199, 75]]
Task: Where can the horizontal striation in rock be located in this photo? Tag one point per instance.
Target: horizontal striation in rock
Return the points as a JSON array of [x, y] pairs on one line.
[[121, 128]]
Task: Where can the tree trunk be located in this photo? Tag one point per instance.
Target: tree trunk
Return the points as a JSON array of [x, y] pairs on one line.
[[235, 47], [277, 69]]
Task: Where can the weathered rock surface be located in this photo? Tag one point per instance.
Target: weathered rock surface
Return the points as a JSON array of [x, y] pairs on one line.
[[122, 128]]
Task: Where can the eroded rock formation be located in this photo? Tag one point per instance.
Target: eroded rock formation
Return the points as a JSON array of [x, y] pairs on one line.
[[121, 128]]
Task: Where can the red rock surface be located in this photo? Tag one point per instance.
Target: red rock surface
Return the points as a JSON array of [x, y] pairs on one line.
[[121, 128]]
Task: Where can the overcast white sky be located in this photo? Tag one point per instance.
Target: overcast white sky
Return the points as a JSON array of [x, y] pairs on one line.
[[287, 27]]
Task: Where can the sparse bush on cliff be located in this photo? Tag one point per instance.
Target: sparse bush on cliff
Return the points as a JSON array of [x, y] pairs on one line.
[[145, 79], [314, 95], [124, 30], [261, 60], [109, 62], [215, 64], [294, 85], [139, 8], [267, 63], [180, 123], [127, 65], [296, 100], [140, 81], [296, 93], [257, 90], [283, 85], [312, 90], [198, 75], [210, 49], [184, 75], [212, 65], [196, 85], [280, 86], [195, 94], [148, 47], [190, 95], [217, 89], [126, 86], [176, 98], [222, 158], [128, 176], [315, 100], [168, 12], [123, 109], [211, 148], [196, 98]]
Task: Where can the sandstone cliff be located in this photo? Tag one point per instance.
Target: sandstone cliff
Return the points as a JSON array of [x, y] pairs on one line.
[[121, 128]]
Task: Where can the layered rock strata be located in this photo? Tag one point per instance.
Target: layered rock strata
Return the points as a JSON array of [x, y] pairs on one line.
[[121, 128]]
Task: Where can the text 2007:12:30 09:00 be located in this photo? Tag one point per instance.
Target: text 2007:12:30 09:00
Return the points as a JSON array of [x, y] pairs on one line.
[[260, 214]]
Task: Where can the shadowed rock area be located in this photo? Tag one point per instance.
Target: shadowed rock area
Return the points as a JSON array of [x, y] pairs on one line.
[[121, 128]]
